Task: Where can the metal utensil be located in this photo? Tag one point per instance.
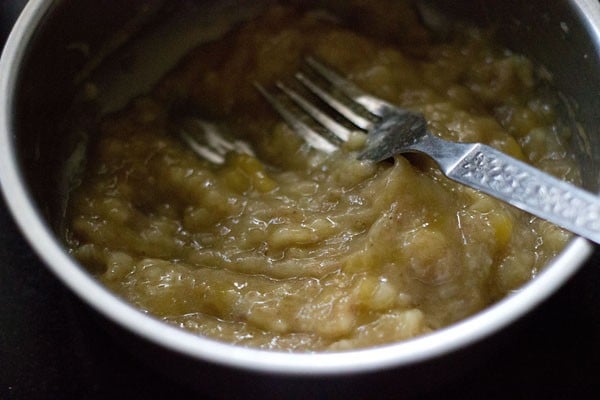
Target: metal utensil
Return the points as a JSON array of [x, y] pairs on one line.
[[393, 130]]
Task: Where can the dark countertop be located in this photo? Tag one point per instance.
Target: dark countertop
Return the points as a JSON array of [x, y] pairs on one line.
[[51, 348]]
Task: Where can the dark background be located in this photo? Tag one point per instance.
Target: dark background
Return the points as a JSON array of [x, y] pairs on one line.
[[52, 348]]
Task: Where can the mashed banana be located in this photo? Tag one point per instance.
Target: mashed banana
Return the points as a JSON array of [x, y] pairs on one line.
[[297, 250]]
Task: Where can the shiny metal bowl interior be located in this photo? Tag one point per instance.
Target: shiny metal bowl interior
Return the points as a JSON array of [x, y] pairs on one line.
[[39, 75]]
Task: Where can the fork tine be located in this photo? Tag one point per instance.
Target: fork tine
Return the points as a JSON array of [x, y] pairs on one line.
[[336, 104], [209, 141], [201, 150], [313, 138], [371, 103], [335, 127]]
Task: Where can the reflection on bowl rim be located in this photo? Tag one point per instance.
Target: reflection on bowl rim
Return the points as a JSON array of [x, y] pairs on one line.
[[405, 353]]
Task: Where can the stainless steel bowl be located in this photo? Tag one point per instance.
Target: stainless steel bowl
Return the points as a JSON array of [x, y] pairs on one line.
[[56, 45]]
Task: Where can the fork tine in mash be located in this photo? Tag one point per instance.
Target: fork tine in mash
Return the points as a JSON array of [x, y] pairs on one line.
[[311, 136], [324, 119], [335, 103], [373, 104], [209, 141], [342, 96]]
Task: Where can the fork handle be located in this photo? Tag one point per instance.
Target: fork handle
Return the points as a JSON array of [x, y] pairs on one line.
[[482, 167]]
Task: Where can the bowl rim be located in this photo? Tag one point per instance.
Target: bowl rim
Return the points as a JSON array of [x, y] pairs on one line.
[[86, 287]]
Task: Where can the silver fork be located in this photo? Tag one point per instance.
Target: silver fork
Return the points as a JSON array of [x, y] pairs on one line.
[[393, 130]]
